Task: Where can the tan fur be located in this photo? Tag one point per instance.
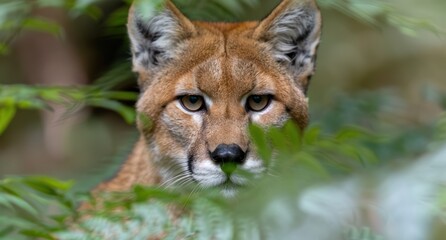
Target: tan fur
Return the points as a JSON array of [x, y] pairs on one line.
[[225, 62]]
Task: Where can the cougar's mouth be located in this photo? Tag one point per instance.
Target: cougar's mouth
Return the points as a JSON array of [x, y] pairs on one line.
[[208, 174]]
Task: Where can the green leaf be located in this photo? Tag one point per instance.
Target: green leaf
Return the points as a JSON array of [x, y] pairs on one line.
[[36, 234], [128, 113], [119, 73], [260, 141], [20, 203], [86, 7], [279, 140], [51, 94], [5, 202], [293, 133], [32, 104], [6, 115], [41, 187], [144, 193], [43, 25], [4, 48], [4, 187], [312, 135], [5, 231], [313, 164], [349, 133], [16, 222], [119, 95], [50, 182]]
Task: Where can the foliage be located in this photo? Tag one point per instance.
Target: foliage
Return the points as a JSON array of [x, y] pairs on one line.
[[369, 12], [15, 16], [45, 208], [32, 97], [25, 202], [376, 12]]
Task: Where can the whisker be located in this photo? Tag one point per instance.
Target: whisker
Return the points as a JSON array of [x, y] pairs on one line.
[[174, 180], [191, 193], [177, 165], [184, 183], [179, 181]]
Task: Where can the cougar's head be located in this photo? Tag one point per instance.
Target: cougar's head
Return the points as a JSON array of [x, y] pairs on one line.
[[202, 84]]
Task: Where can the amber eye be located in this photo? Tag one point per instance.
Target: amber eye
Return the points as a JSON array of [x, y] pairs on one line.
[[258, 103], [192, 103]]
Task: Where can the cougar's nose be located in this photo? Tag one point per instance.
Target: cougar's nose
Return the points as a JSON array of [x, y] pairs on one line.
[[231, 153]]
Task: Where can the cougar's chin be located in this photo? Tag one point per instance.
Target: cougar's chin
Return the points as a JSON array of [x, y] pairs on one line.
[[228, 186]]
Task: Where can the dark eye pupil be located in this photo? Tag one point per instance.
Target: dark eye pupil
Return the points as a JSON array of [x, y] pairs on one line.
[[257, 99], [193, 99]]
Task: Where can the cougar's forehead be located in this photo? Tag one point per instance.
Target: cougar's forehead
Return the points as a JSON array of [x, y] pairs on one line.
[[225, 78]]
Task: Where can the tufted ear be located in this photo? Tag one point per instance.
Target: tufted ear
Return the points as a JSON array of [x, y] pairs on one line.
[[155, 38], [292, 31]]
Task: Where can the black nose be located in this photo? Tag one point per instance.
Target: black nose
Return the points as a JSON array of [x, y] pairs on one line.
[[225, 153]]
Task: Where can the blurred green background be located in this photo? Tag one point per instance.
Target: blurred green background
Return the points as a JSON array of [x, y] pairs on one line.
[[381, 65]]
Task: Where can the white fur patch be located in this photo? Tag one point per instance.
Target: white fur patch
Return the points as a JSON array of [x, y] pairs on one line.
[[208, 101], [253, 165], [256, 117]]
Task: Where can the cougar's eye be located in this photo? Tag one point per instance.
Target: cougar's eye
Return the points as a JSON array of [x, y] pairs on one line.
[[192, 103], [258, 103]]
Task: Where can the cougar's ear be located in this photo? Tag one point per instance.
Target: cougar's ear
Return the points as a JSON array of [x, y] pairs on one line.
[[155, 37], [292, 31]]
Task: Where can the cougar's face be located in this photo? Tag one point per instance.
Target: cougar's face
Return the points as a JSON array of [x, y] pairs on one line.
[[201, 130]]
